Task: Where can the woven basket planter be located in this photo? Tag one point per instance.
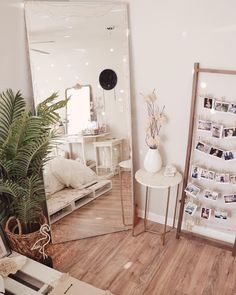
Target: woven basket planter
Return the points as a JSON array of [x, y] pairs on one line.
[[23, 243]]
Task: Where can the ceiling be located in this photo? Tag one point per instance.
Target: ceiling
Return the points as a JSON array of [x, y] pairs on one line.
[[61, 25]]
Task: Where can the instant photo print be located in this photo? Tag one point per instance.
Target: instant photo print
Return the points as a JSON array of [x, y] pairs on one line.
[[208, 103], [222, 215], [205, 213], [204, 125], [202, 147], [192, 190], [190, 208], [230, 199], [232, 108], [221, 106], [210, 195]]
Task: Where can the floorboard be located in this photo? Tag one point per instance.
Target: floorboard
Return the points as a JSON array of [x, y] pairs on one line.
[[101, 216], [128, 265]]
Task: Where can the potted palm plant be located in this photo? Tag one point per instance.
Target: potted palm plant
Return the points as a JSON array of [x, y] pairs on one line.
[[25, 142]]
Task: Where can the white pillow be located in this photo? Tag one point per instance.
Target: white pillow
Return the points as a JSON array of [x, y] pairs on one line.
[[51, 183], [72, 173]]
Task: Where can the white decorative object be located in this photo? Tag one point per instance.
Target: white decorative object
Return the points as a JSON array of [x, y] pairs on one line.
[[11, 265], [152, 161], [44, 230], [170, 170]]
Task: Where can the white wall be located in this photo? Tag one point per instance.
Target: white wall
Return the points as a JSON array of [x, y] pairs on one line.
[[167, 38], [14, 66]]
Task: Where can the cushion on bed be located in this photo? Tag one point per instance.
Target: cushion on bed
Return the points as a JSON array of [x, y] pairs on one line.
[[72, 173], [51, 183]]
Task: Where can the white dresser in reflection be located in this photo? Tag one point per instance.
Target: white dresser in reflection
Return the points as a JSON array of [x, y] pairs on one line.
[[82, 140]]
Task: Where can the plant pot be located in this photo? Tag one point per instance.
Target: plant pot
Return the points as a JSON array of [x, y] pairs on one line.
[[23, 243], [153, 161]]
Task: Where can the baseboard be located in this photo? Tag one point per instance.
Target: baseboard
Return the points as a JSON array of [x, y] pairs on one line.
[[211, 233], [214, 234], [155, 217]]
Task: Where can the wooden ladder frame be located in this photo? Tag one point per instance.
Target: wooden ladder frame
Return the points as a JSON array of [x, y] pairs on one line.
[[197, 70]]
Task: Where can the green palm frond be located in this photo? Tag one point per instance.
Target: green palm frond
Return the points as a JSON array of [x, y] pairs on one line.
[[15, 133], [32, 129], [5, 167], [35, 187], [24, 130], [12, 107], [11, 188], [27, 208], [25, 142], [24, 158], [48, 109]]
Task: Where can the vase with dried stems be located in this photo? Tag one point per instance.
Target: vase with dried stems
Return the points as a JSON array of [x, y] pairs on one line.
[[155, 119]]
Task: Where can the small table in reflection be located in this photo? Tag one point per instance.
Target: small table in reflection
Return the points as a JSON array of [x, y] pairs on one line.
[[109, 143], [81, 139], [159, 181]]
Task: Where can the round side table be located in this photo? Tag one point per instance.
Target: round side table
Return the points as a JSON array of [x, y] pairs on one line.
[[159, 181]]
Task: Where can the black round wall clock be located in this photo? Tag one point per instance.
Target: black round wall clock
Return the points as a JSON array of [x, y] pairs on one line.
[[108, 79]]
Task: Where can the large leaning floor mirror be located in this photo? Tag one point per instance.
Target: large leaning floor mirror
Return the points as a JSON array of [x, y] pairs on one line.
[[80, 50]]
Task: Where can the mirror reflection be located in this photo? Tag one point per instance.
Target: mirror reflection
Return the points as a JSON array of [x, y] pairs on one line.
[[78, 109], [88, 179]]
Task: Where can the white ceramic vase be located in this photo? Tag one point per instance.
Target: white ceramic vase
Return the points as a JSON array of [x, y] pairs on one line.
[[153, 161]]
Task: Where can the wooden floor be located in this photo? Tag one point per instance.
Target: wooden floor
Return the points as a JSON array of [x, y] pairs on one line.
[[101, 216], [128, 265]]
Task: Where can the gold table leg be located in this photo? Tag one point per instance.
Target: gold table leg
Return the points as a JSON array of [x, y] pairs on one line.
[[167, 209], [145, 210], [163, 235], [176, 202]]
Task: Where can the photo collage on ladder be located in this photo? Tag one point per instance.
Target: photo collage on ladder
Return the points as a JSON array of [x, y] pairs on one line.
[[198, 193]]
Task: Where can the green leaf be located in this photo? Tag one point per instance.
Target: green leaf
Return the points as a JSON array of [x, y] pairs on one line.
[[12, 107]]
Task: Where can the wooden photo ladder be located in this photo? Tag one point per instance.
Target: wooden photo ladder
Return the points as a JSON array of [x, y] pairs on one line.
[[197, 70]]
